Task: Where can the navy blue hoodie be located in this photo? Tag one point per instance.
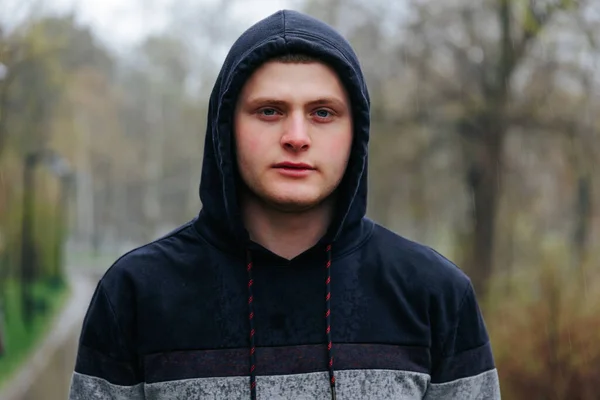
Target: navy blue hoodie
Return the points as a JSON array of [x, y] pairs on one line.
[[205, 313]]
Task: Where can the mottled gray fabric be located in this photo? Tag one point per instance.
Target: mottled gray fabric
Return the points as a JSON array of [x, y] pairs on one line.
[[351, 385], [230, 388], [85, 387], [380, 384], [484, 386]]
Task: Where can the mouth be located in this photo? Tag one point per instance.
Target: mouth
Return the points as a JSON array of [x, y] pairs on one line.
[[294, 170], [294, 166]]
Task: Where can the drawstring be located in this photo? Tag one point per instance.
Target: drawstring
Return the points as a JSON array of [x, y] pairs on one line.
[[328, 319], [252, 331], [327, 331]]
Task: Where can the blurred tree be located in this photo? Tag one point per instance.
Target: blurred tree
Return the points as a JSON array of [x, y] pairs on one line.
[[477, 69], [30, 87], [41, 58], [157, 120], [474, 61]]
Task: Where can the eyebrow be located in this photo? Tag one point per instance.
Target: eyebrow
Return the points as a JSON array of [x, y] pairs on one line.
[[320, 101]]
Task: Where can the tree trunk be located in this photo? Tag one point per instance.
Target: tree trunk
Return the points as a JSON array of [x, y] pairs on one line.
[[28, 245], [153, 165], [483, 149], [583, 215]]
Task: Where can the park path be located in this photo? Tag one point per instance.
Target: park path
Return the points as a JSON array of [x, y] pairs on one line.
[[47, 374]]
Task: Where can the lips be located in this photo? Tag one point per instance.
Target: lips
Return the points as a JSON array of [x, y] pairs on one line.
[[294, 170], [294, 166]]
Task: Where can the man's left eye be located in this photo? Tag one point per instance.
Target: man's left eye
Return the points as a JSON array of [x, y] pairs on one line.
[[323, 113], [268, 112]]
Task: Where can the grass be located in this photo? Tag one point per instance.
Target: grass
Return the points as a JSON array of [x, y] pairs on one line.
[[20, 340]]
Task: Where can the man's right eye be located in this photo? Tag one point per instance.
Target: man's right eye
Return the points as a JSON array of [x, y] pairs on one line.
[[268, 112]]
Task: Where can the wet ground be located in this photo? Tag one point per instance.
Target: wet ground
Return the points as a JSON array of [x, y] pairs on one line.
[[54, 381]]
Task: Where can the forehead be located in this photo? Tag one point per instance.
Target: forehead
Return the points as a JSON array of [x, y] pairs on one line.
[[294, 80]]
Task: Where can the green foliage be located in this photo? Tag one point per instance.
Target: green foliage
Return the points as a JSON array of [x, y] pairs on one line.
[[48, 237], [48, 234], [37, 81], [78, 47], [19, 340], [39, 56]]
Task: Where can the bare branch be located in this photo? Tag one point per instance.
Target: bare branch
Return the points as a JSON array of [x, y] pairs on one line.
[[536, 19]]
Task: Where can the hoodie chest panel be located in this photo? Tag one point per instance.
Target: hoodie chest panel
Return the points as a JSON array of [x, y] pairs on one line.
[[206, 307], [203, 340], [289, 305]]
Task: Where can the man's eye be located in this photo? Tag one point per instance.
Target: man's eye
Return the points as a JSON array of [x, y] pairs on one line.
[[323, 113], [268, 112]]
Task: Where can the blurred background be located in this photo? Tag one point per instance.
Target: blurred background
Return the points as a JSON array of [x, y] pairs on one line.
[[485, 139]]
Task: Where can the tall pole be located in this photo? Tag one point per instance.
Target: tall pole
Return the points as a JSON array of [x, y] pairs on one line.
[[27, 247], [59, 235], [62, 226]]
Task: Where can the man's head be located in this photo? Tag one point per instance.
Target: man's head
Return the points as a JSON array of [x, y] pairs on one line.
[[240, 144], [293, 132]]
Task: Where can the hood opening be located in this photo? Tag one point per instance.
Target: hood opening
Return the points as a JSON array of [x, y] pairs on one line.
[[281, 33]]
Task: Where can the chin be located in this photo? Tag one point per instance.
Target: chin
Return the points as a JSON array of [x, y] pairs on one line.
[[290, 198], [293, 204], [293, 200]]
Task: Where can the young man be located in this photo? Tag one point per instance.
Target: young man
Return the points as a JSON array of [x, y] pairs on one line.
[[281, 288]]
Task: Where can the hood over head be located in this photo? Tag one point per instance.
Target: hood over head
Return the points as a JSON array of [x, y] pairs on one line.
[[281, 33]]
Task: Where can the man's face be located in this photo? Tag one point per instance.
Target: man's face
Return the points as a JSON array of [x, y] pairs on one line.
[[293, 134]]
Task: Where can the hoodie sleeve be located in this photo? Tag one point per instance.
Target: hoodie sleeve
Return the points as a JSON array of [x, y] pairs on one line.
[[465, 369], [105, 367]]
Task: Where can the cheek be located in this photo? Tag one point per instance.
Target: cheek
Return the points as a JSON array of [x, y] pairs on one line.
[[250, 146], [250, 149], [339, 148], [341, 153], [254, 144]]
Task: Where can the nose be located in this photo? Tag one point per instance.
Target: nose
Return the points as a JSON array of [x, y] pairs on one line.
[[296, 135]]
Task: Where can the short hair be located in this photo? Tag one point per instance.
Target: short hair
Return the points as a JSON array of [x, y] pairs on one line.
[[296, 58]]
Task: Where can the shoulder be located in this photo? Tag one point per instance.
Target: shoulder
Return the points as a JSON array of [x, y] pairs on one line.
[[152, 262], [435, 285], [423, 267]]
